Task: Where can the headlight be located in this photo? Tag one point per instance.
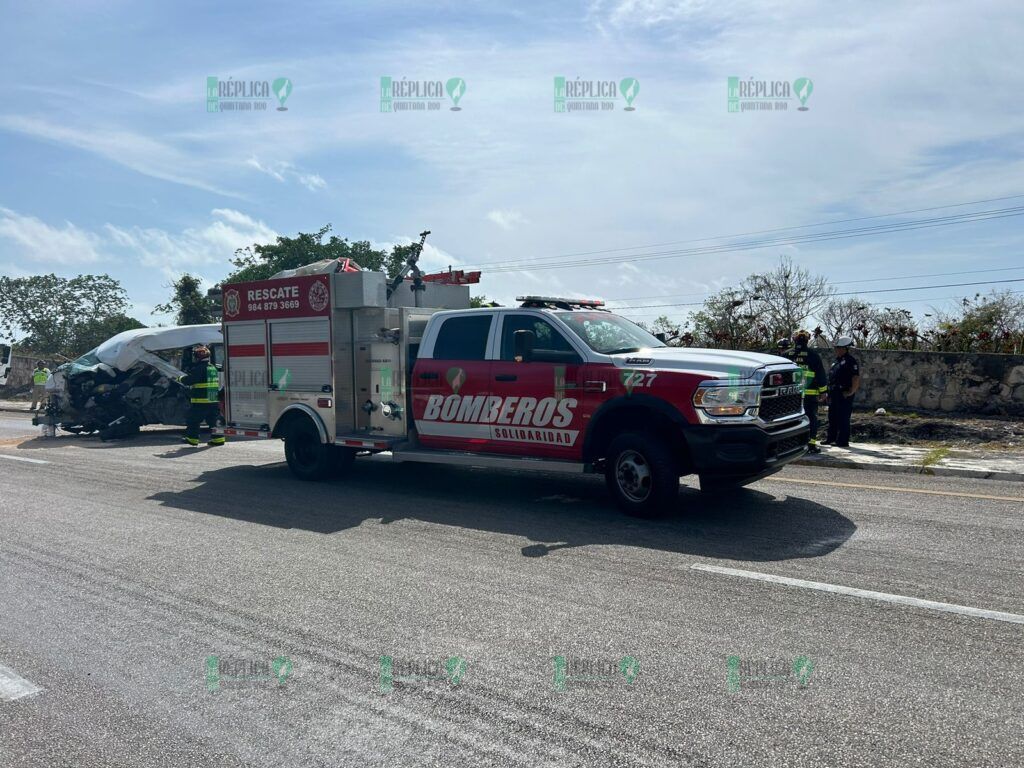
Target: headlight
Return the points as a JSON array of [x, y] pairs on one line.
[[727, 400]]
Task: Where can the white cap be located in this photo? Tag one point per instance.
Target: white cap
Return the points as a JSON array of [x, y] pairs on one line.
[[844, 341]]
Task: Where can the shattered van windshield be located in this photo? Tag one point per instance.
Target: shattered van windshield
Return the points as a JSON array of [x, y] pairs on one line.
[[86, 362]]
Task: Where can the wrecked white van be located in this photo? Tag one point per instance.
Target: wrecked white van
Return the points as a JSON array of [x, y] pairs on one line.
[[128, 381]]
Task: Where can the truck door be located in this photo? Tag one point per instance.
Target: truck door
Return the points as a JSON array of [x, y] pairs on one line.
[[541, 411], [451, 388]]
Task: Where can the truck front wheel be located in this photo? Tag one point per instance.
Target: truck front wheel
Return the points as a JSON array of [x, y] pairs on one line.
[[642, 475], [308, 458]]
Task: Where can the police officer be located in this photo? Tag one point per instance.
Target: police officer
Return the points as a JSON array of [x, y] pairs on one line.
[[204, 386], [843, 383], [815, 384]]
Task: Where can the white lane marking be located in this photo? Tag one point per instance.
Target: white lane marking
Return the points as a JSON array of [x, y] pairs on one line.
[[14, 686], [978, 613], [22, 458]]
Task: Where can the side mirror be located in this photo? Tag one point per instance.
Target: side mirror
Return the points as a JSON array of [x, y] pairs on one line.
[[663, 338], [523, 345]]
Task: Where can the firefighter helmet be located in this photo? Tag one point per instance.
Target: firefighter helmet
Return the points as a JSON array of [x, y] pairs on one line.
[[201, 352], [784, 344]]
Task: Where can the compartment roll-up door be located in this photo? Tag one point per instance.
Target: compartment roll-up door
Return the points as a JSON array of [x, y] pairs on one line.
[[246, 354], [300, 359]]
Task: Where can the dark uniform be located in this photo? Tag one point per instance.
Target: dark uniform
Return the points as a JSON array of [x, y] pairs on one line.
[[815, 384], [840, 407], [204, 386]]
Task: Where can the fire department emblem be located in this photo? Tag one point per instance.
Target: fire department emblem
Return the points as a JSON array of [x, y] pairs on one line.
[[318, 296], [456, 377], [231, 303]]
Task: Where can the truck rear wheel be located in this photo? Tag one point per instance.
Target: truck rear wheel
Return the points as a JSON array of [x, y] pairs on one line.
[[642, 475], [308, 458]]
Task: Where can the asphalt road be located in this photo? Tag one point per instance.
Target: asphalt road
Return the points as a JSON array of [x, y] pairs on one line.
[[125, 566]]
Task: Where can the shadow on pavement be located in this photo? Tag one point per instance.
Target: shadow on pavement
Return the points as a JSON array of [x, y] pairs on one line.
[[554, 512], [159, 437]]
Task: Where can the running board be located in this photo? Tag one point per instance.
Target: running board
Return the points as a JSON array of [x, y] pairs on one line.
[[490, 461]]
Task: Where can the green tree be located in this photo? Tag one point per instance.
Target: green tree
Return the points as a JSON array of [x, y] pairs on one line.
[[260, 262], [188, 303], [53, 315], [993, 323]]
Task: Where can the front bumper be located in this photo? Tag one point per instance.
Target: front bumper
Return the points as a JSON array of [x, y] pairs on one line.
[[740, 451]]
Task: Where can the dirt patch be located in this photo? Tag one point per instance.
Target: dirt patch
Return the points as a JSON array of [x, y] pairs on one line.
[[906, 428]]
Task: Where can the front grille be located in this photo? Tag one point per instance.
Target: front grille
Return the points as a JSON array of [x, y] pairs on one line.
[[773, 408]]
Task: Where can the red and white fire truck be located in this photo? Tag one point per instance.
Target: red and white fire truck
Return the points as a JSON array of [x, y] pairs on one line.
[[341, 363]]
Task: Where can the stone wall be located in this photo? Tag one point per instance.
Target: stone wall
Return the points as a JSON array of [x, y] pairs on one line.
[[979, 384], [19, 381]]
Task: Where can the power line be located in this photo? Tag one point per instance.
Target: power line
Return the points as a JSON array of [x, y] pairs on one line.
[[905, 226], [755, 232], [839, 282], [852, 293], [867, 303]]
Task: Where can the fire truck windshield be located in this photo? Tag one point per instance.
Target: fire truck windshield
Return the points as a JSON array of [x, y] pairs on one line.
[[608, 334]]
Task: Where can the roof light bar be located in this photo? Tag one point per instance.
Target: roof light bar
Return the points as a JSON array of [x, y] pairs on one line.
[[558, 301]]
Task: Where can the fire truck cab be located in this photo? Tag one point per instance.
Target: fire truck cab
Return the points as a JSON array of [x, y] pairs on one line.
[[336, 367]]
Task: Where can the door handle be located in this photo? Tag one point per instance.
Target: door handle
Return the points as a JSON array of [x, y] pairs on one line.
[[506, 377], [428, 376], [595, 386]]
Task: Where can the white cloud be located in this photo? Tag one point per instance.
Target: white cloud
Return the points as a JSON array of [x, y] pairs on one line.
[[37, 241], [506, 219], [312, 181], [141, 153], [433, 259], [272, 172], [283, 171], [192, 248]]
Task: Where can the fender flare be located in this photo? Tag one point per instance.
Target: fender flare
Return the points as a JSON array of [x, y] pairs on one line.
[[621, 402], [304, 409]]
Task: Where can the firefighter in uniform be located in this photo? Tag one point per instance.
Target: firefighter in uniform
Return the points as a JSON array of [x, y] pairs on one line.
[[843, 383], [815, 382], [204, 386]]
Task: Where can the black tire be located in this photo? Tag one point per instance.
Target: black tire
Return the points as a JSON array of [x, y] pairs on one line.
[[642, 475], [344, 458], [308, 458]]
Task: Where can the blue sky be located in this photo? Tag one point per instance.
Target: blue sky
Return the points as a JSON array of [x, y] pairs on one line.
[[109, 161]]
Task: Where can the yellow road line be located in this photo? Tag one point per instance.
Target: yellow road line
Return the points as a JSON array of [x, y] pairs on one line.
[[898, 490]]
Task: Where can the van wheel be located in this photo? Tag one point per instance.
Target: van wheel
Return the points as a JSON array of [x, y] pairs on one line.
[[642, 475], [308, 458]]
